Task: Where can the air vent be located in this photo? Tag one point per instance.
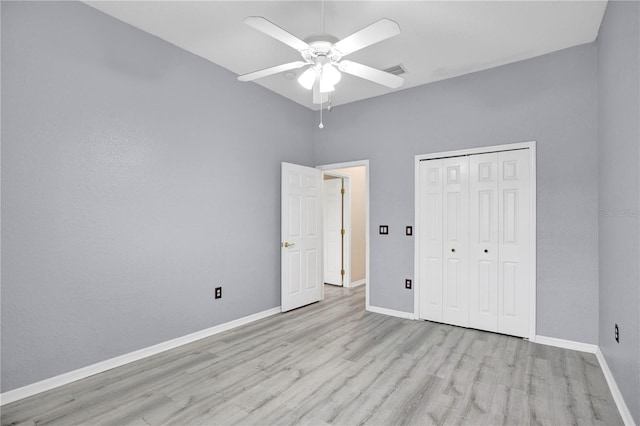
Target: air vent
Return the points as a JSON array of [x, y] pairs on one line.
[[396, 70]]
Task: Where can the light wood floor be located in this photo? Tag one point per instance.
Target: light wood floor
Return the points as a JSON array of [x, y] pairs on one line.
[[333, 363]]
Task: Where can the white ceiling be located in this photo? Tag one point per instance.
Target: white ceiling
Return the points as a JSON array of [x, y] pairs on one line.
[[438, 39]]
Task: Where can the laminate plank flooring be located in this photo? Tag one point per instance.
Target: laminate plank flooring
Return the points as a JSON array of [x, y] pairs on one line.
[[333, 363]]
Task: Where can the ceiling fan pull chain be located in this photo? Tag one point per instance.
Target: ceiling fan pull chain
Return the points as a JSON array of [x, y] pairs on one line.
[[321, 125]]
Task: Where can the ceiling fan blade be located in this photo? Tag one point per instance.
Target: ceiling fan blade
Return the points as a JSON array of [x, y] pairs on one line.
[[374, 33], [270, 71], [369, 73], [271, 29]]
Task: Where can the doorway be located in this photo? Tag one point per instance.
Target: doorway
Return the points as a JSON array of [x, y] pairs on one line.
[[352, 251], [336, 228]]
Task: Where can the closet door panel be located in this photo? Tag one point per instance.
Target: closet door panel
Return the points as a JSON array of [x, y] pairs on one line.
[[430, 224], [514, 201], [483, 242], [456, 241]]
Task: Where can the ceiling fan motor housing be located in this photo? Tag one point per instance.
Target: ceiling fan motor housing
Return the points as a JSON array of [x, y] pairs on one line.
[[321, 45]]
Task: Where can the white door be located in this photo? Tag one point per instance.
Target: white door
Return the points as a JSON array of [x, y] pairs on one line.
[[301, 252], [514, 261], [483, 241], [333, 265], [430, 224], [475, 222], [455, 274]]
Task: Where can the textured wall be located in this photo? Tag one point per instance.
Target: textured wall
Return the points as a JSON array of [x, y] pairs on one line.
[[552, 100], [123, 159], [619, 195], [135, 178]]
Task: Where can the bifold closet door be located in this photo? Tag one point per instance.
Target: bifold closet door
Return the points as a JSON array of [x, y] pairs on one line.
[[430, 224], [483, 244], [514, 262], [474, 224], [444, 240], [455, 223]]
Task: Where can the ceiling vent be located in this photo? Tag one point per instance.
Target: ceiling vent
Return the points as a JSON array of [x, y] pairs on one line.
[[396, 70]]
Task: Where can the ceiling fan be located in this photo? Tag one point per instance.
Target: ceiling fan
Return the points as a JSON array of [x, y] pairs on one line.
[[323, 53]]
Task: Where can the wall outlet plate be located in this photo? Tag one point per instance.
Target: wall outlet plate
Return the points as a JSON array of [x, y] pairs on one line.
[[409, 230], [407, 283], [218, 293]]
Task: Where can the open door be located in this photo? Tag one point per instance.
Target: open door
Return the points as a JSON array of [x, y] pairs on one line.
[[301, 244], [332, 193]]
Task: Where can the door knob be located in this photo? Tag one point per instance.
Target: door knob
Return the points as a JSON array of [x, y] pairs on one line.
[[486, 251], [453, 250], [287, 244]]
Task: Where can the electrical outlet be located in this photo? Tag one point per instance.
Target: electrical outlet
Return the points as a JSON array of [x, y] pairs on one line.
[[616, 333], [218, 293], [407, 283], [384, 229], [409, 230]]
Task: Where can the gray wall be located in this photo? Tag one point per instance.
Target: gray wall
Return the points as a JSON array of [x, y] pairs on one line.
[[123, 158], [135, 178], [619, 192], [550, 99]]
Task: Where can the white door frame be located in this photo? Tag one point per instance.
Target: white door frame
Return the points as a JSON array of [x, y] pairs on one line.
[[365, 164], [346, 224], [481, 150]]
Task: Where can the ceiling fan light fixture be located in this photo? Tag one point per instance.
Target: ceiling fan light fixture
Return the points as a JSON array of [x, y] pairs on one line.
[[308, 78], [326, 87]]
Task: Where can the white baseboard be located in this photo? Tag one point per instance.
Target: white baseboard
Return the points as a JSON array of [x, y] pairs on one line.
[[615, 391], [594, 349], [567, 344], [90, 370], [357, 283], [391, 312], [72, 376]]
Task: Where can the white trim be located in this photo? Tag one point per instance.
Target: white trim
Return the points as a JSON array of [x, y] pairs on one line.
[[391, 312], [594, 349], [478, 150], [358, 283], [533, 301], [567, 344], [360, 163], [100, 367], [533, 241], [615, 391], [416, 239]]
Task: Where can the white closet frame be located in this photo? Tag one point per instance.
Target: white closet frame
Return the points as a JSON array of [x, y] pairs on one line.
[[481, 150]]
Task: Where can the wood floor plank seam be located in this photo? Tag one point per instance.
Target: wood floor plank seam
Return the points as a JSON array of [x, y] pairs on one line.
[[333, 363]]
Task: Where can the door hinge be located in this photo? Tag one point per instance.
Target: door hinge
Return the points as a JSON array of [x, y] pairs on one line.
[[342, 232], [342, 272], [342, 191]]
